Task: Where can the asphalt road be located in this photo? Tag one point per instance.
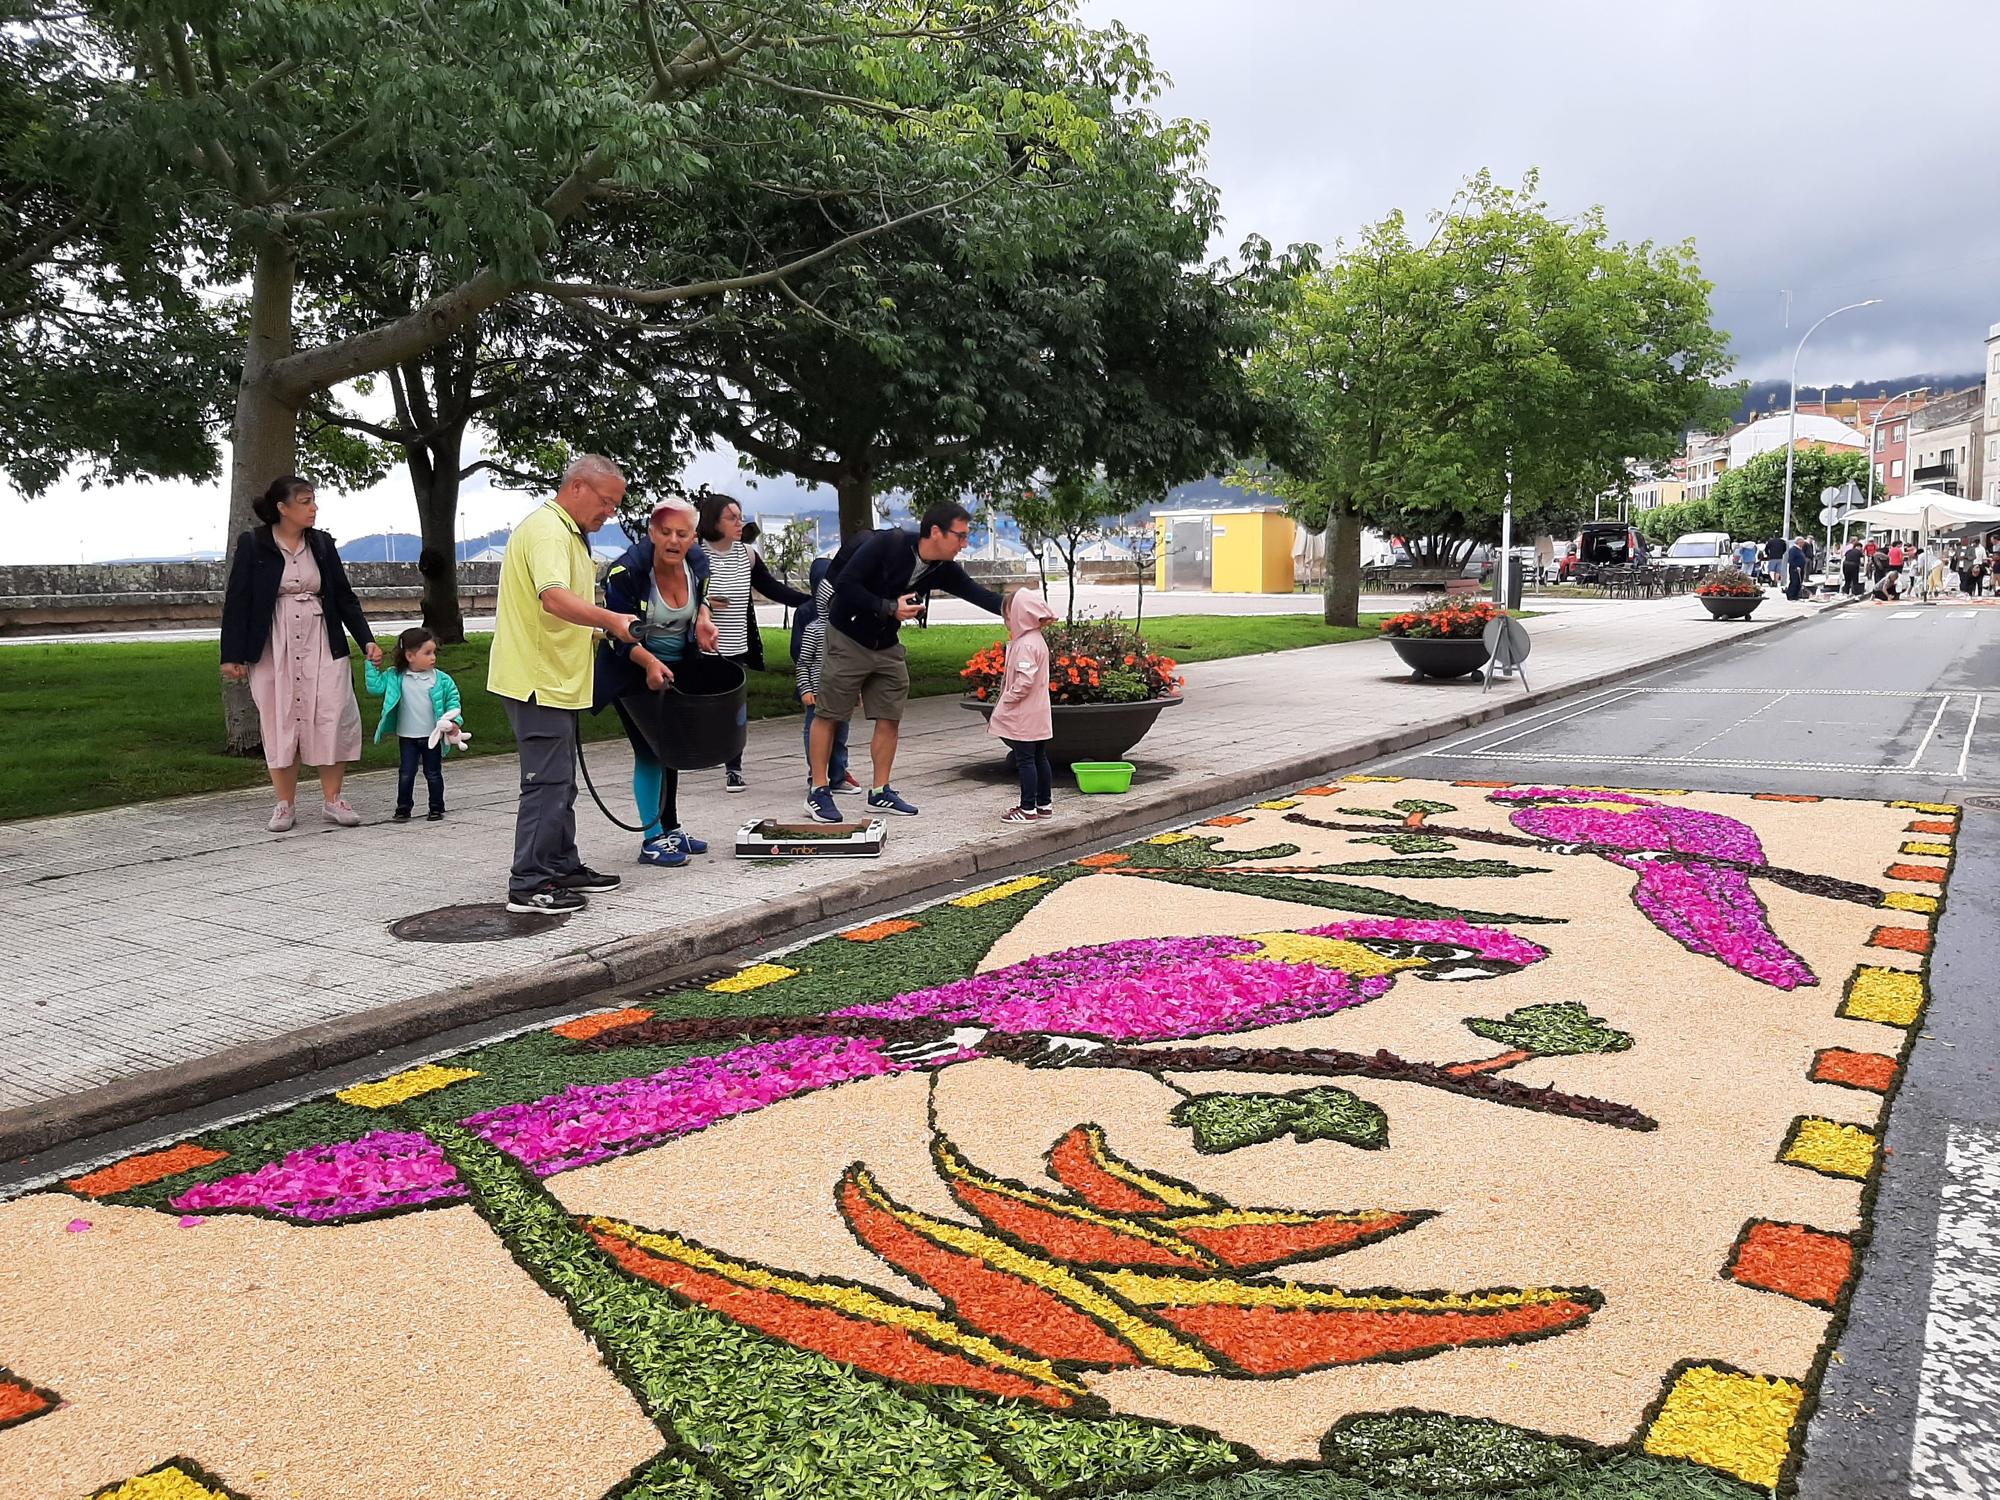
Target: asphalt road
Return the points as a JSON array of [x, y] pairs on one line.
[[1870, 702]]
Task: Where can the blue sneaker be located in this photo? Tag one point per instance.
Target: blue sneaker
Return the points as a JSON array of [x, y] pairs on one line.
[[819, 802], [684, 841], [663, 853], [886, 801]]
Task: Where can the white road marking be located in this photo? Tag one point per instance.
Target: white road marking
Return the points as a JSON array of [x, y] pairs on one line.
[[1761, 708], [1905, 614], [1964, 614], [1538, 728], [1925, 743], [1670, 762], [1955, 1446], [1965, 750]]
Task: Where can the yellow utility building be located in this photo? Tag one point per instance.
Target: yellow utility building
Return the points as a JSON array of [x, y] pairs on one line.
[[1225, 551]]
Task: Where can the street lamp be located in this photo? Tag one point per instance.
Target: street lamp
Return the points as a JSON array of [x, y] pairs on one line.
[[1914, 391], [1792, 409]]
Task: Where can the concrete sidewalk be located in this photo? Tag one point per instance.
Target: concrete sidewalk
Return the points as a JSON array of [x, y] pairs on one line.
[[171, 953]]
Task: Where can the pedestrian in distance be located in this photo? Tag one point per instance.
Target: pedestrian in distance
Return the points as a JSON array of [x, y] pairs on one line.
[[286, 615], [1774, 559], [1795, 569], [735, 572], [662, 581], [808, 656], [1022, 717], [540, 666], [1850, 569], [882, 580], [421, 707], [1981, 569]]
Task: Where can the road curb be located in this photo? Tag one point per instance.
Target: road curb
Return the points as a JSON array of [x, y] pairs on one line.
[[669, 953]]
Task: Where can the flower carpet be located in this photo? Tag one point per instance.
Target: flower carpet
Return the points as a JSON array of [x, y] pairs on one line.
[[1384, 1139]]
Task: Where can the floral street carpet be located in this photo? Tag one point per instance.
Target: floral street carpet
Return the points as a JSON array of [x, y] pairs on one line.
[[1386, 1138]]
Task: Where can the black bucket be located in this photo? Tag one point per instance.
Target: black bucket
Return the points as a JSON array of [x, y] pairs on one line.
[[702, 720]]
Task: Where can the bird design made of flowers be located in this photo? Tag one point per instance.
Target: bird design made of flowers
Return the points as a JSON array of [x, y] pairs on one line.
[[1048, 1010], [1694, 870]]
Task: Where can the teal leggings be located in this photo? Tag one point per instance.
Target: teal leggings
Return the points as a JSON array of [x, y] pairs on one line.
[[655, 789]]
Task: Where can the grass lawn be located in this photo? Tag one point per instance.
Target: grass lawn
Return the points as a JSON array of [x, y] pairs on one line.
[[103, 724]]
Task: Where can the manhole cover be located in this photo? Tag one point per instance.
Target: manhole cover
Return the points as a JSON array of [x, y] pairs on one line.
[[484, 922], [1989, 801]]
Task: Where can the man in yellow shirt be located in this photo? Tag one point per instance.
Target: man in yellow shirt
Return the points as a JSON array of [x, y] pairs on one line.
[[541, 665]]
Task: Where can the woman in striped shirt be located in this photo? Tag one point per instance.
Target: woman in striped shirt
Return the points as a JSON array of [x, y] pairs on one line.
[[735, 570]]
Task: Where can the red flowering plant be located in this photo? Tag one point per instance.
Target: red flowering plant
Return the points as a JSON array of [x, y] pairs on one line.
[[1443, 619], [1728, 583], [1090, 661]]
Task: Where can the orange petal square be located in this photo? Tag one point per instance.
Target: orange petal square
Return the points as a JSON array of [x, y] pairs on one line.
[[19, 1400], [1934, 874], [1932, 825], [874, 932], [137, 1171], [1105, 861], [1482, 783], [1872, 1071], [1227, 820], [583, 1028], [1317, 791], [1793, 1260], [1908, 939], [1780, 797]]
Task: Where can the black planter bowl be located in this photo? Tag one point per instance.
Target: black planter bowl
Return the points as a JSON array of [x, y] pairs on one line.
[[1730, 606], [1094, 731], [1438, 656]]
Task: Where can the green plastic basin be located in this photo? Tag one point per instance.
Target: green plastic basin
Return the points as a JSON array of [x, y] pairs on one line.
[[1103, 775]]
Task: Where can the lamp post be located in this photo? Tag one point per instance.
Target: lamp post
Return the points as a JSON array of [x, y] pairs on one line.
[[1792, 409], [1876, 422]]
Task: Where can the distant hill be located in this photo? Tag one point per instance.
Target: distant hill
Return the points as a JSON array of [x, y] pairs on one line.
[[1767, 396]]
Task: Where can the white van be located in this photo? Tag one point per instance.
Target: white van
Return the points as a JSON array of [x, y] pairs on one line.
[[1698, 550]]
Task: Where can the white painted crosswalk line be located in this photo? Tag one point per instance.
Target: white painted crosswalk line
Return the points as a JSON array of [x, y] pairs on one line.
[[1905, 614], [1963, 614], [1955, 1448]]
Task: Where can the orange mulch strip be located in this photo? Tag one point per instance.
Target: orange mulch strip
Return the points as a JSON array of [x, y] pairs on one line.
[[1794, 1261], [1780, 797], [583, 1028], [1860, 1070], [1317, 791], [20, 1401], [1482, 783], [1908, 939], [1931, 825], [874, 932], [1105, 861], [137, 1171], [1932, 873], [1227, 820]]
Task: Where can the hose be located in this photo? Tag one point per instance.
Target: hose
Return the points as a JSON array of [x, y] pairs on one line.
[[582, 765]]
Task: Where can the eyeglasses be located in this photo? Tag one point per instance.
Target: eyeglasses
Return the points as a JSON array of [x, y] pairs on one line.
[[959, 536]]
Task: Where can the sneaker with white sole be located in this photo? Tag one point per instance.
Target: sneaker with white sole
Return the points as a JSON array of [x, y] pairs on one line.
[[732, 781], [819, 802], [886, 800], [1045, 811], [281, 818], [1017, 815], [846, 786], [583, 878], [663, 855], [681, 839], [547, 899], [337, 811]]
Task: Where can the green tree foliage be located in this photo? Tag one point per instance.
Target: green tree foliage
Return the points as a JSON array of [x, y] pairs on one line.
[[1663, 523], [1751, 499], [1414, 382]]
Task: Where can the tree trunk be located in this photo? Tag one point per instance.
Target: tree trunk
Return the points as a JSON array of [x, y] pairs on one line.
[[1342, 568], [264, 442], [856, 490], [434, 476]]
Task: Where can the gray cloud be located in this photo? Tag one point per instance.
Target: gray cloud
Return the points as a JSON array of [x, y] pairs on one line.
[[1840, 150]]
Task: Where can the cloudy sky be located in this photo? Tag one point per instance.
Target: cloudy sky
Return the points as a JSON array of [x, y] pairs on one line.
[[1839, 151]]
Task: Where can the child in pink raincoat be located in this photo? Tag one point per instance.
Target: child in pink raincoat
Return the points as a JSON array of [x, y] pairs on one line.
[[1022, 717]]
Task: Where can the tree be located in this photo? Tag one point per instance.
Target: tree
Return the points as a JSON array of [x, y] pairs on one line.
[[1417, 386], [1068, 513], [483, 141], [1751, 499], [1139, 537]]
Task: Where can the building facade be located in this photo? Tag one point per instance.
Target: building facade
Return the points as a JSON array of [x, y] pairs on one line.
[[1707, 457], [1945, 443], [1651, 492], [1989, 488]]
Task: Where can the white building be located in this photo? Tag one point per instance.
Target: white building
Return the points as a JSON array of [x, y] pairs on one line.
[[1768, 434], [1991, 489]]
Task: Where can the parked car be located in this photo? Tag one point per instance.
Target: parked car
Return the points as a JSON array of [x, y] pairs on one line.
[[1699, 551], [1605, 544]]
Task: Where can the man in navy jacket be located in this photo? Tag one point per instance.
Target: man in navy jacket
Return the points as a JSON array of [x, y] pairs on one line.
[[879, 581]]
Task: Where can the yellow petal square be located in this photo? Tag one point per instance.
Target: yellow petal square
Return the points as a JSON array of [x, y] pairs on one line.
[[1925, 846], [1179, 836], [1370, 778], [1828, 1146], [1000, 892], [1895, 997], [1909, 901], [1723, 1419], [408, 1084], [1280, 805], [753, 978], [168, 1482], [1930, 807]]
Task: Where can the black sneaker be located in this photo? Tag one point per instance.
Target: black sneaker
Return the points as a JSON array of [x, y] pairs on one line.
[[400, 815], [546, 898], [583, 878], [435, 815], [732, 781]]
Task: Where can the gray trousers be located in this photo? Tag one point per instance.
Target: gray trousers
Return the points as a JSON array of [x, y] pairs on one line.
[[545, 822]]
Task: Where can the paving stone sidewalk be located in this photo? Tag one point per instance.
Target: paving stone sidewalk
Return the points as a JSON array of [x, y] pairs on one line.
[[181, 935]]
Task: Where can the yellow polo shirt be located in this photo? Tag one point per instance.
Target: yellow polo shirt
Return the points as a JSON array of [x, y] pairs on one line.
[[533, 651]]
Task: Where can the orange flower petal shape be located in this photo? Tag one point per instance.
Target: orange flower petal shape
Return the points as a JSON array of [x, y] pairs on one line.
[[1906, 939], [138, 1171], [874, 932], [1046, 1309], [1932, 825], [1256, 1239], [583, 1028], [1069, 1232], [1081, 1162], [1933, 874], [1873, 1071], [1279, 1328], [1793, 1259], [851, 1324], [20, 1400]]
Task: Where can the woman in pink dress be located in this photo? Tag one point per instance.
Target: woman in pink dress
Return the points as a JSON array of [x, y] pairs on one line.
[[282, 627]]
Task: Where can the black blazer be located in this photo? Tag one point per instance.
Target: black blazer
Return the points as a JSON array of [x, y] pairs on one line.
[[252, 597]]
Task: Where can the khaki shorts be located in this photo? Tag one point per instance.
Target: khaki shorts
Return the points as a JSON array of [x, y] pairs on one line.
[[852, 674]]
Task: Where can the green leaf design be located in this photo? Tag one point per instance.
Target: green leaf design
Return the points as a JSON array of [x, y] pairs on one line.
[[1438, 1454], [1199, 853], [1409, 843], [1418, 805], [1227, 1122], [1563, 1029]]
